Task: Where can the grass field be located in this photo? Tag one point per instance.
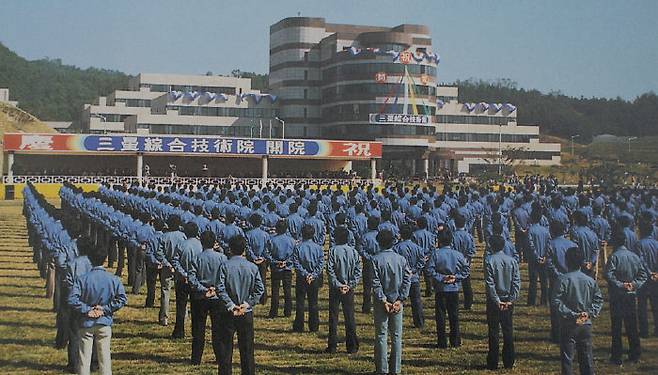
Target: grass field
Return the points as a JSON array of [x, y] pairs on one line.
[[140, 346]]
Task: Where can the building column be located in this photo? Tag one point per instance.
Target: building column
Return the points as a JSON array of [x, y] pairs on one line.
[[264, 170], [413, 167], [373, 170], [140, 167], [426, 168], [10, 167]]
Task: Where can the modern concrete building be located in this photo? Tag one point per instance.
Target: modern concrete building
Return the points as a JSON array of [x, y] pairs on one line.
[[335, 81], [180, 104], [379, 83]]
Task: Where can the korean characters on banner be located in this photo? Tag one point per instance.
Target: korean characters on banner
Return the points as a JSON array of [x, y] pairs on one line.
[[190, 145]]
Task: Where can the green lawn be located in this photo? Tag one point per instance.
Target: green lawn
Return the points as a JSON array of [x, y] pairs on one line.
[[141, 346]]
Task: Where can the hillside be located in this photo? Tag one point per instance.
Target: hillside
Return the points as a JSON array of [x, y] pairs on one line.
[[561, 115], [53, 91]]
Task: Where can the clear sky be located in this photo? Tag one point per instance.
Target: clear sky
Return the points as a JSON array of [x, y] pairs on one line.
[[603, 48]]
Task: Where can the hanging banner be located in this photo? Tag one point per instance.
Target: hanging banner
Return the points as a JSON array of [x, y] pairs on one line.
[[171, 144], [398, 118]]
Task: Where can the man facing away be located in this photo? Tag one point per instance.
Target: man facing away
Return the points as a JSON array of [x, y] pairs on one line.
[[502, 282], [308, 259], [415, 256], [239, 288], [577, 299], [390, 284], [625, 274], [647, 249], [204, 300], [344, 271], [95, 297], [448, 268]]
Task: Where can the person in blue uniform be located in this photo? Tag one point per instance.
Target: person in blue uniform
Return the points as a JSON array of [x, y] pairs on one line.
[[368, 247], [625, 274], [390, 283], [577, 299], [165, 256], [279, 254], [344, 272], [587, 241], [463, 241], [448, 268], [557, 266], [153, 264], [308, 260], [539, 238], [204, 300], [502, 284], [239, 288], [647, 249], [415, 256], [76, 268], [257, 242], [95, 297], [184, 254]]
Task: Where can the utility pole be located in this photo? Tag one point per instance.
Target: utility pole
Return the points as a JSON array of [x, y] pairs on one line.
[[629, 143], [572, 143]]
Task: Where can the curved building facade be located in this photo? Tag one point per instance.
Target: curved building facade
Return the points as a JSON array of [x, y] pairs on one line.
[[330, 78]]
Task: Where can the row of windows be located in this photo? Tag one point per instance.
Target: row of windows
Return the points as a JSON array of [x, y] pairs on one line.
[[446, 99], [361, 112], [371, 90], [373, 131], [110, 117], [167, 88], [486, 137], [134, 102], [475, 120], [368, 71], [224, 111], [229, 131]]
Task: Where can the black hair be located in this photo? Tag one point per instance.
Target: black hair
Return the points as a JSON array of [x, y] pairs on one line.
[[557, 228], [497, 243], [281, 226], [97, 257], [191, 229], [237, 244], [573, 258], [444, 237], [255, 220], [208, 239], [405, 232], [308, 232], [340, 236], [385, 239]]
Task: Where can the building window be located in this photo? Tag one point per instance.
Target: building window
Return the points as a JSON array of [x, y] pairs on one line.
[[305, 75], [305, 93], [305, 112]]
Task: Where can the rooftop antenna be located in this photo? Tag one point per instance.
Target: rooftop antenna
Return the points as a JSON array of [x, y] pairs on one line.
[[299, 14]]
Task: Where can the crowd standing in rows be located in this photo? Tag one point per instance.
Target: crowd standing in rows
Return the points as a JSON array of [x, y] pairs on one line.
[[215, 245]]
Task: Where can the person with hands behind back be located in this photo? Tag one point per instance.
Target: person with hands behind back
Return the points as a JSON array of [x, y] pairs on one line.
[[344, 271], [308, 259], [390, 283], [239, 288], [625, 274], [96, 296], [577, 299], [502, 283], [447, 267], [204, 301]]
